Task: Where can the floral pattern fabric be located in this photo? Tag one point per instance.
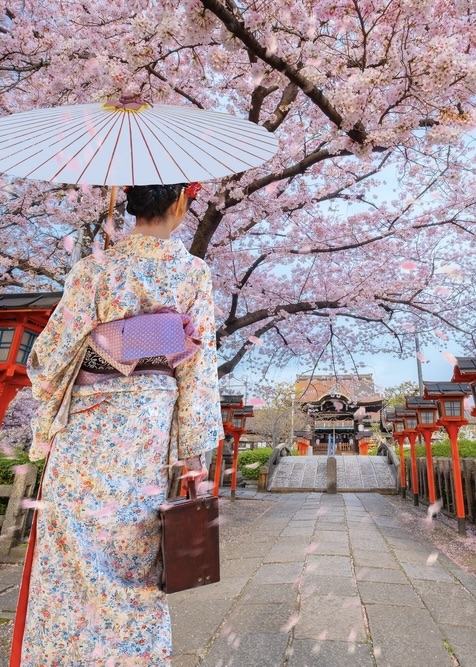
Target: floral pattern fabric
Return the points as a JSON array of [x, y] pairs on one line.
[[93, 598]]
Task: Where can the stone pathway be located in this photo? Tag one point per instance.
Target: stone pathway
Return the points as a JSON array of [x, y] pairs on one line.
[[318, 580], [354, 473]]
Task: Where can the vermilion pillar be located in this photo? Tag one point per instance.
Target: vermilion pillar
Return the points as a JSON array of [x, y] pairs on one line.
[[403, 478], [412, 438], [218, 463], [427, 433], [236, 442], [453, 430]]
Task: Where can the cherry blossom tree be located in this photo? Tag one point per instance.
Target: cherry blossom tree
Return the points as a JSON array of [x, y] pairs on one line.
[[15, 431], [357, 234]]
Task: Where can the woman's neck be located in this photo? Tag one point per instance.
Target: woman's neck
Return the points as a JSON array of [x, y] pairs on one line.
[[160, 228]]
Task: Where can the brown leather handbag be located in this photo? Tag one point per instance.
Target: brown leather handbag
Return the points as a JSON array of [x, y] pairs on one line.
[[190, 541]]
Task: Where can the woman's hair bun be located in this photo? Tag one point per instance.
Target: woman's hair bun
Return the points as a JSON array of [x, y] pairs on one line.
[[152, 201]]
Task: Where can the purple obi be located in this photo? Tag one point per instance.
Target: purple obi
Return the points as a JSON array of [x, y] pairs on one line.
[[153, 342]]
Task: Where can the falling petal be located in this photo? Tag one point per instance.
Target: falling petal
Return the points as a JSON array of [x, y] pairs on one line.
[[434, 508], [107, 510], [409, 266], [290, 623], [304, 250], [352, 636], [28, 504], [257, 402], [441, 335], [21, 469], [421, 358], [432, 558], [253, 465], [338, 405], [255, 340], [68, 243], [442, 291], [312, 548], [98, 253], [151, 490], [450, 358]]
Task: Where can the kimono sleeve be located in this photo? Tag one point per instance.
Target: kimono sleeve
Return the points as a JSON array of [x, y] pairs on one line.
[[53, 361], [198, 405]]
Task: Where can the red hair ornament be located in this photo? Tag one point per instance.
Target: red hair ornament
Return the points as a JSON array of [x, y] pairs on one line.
[[192, 190]]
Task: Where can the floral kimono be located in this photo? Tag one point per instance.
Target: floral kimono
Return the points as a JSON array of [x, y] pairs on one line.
[[93, 595]]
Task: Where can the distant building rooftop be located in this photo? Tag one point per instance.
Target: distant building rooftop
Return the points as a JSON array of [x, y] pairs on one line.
[[19, 301]]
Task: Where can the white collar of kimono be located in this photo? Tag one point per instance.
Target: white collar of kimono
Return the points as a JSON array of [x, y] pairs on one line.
[[150, 246]]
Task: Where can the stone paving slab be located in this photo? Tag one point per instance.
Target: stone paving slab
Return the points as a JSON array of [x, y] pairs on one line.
[[462, 642], [406, 637], [369, 605], [257, 650], [448, 603], [401, 595], [306, 653]]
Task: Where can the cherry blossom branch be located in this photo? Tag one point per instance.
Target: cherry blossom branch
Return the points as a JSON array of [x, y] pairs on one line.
[[238, 30]]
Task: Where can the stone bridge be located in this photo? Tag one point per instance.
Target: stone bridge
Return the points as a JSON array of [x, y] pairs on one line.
[[354, 474]]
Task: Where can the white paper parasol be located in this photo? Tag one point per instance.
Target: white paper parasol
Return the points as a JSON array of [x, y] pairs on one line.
[[129, 142]]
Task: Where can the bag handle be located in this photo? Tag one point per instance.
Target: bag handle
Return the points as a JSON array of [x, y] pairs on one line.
[[191, 488]]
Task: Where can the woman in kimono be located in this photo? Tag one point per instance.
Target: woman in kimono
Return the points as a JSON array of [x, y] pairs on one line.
[[118, 406]]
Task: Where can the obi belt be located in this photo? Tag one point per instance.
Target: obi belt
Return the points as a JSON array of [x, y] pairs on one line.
[[149, 343]]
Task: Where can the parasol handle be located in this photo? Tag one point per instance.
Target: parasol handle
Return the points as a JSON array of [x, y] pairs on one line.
[[109, 221]]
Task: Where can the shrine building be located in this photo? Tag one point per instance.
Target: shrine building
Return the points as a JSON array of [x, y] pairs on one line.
[[343, 409]]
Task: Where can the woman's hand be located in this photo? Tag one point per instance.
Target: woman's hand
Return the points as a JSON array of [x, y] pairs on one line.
[[197, 469]]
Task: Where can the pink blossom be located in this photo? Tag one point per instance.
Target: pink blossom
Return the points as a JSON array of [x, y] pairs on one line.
[[450, 358], [68, 243], [257, 402]]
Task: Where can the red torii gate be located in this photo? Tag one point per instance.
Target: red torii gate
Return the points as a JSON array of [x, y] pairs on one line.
[[22, 318]]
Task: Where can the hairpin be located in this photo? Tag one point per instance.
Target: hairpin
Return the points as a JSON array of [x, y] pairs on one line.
[[127, 188], [193, 189]]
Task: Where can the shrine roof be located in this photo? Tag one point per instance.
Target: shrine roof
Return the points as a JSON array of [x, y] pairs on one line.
[[34, 300], [442, 388]]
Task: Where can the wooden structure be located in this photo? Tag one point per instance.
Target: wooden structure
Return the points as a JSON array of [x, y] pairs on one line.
[[342, 407], [450, 397], [234, 415], [22, 318]]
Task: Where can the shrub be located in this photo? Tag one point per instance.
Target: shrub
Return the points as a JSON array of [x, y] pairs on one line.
[[251, 457], [467, 449], [7, 463]]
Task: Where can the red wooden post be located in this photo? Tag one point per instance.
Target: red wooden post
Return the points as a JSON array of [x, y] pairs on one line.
[[427, 433], [452, 430], [399, 437], [236, 442], [218, 463], [7, 394], [412, 438]]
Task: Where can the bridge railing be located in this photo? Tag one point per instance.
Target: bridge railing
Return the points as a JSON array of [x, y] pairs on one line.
[[385, 449], [444, 485], [266, 472]]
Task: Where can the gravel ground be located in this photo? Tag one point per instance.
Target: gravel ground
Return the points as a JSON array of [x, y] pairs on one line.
[[6, 630], [442, 532]]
